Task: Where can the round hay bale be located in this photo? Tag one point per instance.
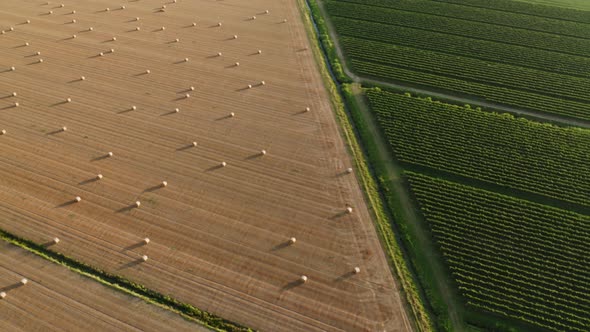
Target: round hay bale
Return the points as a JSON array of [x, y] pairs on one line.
[[144, 258], [24, 281], [99, 176], [292, 240], [137, 204], [3, 132], [77, 199], [194, 144], [303, 278], [356, 270], [55, 240], [349, 210], [146, 240], [109, 154], [2, 295], [164, 184]]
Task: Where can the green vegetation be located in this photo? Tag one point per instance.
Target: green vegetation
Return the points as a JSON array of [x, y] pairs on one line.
[[523, 60], [531, 9], [484, 15], [508, 256], [488, 147], [119, 283]]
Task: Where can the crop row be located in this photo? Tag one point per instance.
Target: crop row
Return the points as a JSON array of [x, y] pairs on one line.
[[500, 95], [517, 275], [522, 7], [452, 26], [465, 68], [462, 46], [484, 15], [497, 149]]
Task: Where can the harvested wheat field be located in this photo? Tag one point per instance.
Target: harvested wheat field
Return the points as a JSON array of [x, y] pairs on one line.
[[203, 126], [37, 295]]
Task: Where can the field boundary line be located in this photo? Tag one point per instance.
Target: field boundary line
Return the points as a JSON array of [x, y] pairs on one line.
[[126, 286]]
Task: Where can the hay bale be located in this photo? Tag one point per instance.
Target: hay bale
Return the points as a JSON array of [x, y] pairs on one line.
[[3, 132], [77, 199], [356, 270], [55, 240], [303, 278], [99, 176]]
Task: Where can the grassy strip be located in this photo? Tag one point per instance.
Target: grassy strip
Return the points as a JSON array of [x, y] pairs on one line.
[[323, 35], [124, 285], [390, 243]]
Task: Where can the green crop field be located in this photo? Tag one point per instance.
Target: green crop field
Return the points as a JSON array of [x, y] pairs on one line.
[[507, 200], [508, 256], [510, 53], [493, 149]]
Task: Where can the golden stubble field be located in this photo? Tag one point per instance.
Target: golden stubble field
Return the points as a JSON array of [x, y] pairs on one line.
[[56, 299], [219, 235]]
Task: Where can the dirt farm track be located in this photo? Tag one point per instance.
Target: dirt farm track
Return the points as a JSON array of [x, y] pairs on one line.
[[219, 228]]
